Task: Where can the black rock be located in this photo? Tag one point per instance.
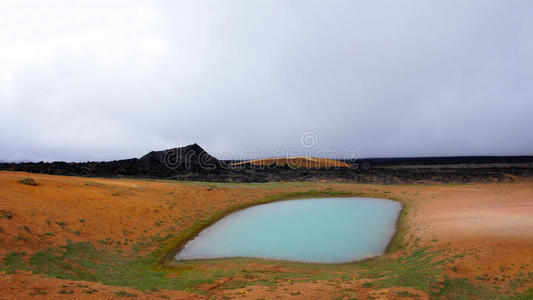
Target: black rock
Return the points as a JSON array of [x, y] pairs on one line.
[[194, 163], [191, 157]]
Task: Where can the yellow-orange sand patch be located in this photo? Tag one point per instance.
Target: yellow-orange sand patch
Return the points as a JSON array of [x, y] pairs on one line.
[[297, 162]]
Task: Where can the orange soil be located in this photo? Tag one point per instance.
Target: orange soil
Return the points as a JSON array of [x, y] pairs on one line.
[[24, 285], [298, 162], [492, 224], [115, 209]]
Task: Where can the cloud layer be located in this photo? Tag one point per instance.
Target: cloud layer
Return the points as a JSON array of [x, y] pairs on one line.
[[90, 80]]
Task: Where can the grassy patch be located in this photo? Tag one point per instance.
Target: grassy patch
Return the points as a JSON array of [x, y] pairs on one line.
[[13, 262], [420, 269], [406, 294], [125, 294], [82, 261], [461, 288], [397, 241]]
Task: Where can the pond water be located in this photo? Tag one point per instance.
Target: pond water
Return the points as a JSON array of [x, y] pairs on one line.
[[325, 230]]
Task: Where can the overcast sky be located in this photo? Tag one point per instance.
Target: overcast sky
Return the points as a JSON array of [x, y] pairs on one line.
[[101, 80]]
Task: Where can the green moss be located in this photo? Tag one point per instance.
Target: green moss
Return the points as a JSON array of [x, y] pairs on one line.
[[462, 289], [82, 261], [420, 269], [125, 294], [406, 294], [397, 241], [13, 262]]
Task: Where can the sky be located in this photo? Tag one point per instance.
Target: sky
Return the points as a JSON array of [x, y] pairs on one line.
[[104, 80]]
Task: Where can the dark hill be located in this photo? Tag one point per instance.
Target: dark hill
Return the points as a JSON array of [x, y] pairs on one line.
[[191, 159], [188, 157]]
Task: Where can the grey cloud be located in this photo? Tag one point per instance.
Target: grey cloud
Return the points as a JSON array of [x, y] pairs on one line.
[[385, 78]]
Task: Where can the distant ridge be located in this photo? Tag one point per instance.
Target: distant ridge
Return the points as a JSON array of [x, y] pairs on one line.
[[442, 160], [194, 163]]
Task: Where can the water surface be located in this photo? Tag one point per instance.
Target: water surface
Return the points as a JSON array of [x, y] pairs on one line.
[[326, 230]]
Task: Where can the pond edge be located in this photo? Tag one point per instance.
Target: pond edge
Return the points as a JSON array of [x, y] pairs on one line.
[[168, 252]]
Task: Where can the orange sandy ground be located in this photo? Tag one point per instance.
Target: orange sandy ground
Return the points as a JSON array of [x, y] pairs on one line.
[[491, 223], [299, 161]]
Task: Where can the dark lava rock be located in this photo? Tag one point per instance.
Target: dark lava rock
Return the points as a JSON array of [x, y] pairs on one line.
[[194, 163], [156, 164], [191, 157]]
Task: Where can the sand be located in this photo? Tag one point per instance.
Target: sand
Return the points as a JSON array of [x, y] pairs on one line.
[[297, 162]]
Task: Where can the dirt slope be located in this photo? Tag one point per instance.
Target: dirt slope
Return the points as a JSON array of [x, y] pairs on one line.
[[297, 162]]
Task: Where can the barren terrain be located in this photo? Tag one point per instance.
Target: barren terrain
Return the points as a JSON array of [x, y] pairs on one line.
[[75, 237]]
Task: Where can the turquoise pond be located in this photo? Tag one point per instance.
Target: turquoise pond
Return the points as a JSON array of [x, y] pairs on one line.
[[325, 230]]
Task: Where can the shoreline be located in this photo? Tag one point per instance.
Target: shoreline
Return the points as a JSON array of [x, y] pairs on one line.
[[172, 261]]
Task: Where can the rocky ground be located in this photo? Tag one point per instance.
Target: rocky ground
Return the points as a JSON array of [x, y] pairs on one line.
[[394, 174], [193, 163]]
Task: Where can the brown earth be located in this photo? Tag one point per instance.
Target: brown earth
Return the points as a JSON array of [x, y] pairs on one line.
[[25, 285], [488, 227], [297, 162]]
